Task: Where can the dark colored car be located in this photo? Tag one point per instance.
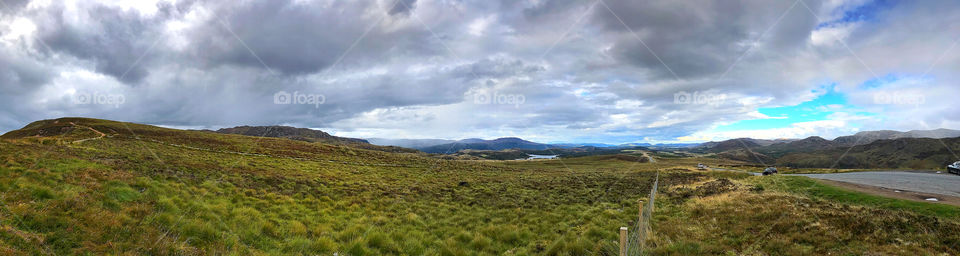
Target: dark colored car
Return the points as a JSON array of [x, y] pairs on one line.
[[769, 171], [954, 168]]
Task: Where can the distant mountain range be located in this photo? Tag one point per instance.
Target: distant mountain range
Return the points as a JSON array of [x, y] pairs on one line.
[[815, 142], [720, 146], [867, 137], [408, 143], [481, 144], [577, 145], [446, 146], [659, 145], [809, 152], [868, 149]]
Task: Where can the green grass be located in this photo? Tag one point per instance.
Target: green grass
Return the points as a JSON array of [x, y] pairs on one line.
[[811, 188], [155, 191], [773, 215], [182, 192], [729, 174]]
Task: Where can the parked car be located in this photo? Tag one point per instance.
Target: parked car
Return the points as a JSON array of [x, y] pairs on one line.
[[954, 168], [701, 167], [769, 171]]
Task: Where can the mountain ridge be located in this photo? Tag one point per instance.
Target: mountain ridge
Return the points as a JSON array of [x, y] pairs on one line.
[[481, 144], [859, 138], [294, 133]]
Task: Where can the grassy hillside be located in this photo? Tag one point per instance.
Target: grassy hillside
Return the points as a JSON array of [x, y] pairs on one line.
[[86, 186], [781, 215], [906, 153], [309, 135], [815, 152], [143, 189]]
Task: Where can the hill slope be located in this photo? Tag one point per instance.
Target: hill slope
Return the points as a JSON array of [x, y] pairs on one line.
[[303, 134], [87, 186], [479, 144], [867, 137], [918, 149], [732, 144], [310, 135], [903, 153]]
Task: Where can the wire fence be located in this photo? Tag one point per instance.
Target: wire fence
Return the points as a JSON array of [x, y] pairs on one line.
[[634, 240]]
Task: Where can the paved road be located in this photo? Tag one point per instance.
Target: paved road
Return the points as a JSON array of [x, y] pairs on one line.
[[943, 184]]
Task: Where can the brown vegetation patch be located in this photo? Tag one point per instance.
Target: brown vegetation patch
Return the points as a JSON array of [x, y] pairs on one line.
[[682, 193]]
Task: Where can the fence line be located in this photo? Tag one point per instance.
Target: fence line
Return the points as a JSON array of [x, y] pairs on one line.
[[633, 242]]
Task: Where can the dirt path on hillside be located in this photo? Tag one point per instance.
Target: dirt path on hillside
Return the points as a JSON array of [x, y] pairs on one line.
[[649, 157], [90, 128], [894, 193]]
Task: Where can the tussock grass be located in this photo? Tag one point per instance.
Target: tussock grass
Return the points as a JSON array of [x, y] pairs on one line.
[[155, 191], [150, 190], [793, 217]]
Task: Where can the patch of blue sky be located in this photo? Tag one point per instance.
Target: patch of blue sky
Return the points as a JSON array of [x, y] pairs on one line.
[[879, 83], [891, 81], [818, 109], [863, 13]]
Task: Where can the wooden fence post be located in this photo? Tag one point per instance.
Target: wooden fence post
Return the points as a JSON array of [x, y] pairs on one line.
[[640, 213], [623, 241]]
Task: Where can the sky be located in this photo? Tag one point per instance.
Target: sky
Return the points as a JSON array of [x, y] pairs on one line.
[[602, 71]]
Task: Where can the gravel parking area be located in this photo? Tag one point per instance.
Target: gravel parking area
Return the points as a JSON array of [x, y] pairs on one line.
[[942, 184]]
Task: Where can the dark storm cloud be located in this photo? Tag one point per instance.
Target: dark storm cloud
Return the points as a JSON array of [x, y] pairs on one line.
[[700, 38], [297, 38], [402, 7], [19, 74], [497, 68], [12, 6], [548, 9], [434, 87], [117, 41]]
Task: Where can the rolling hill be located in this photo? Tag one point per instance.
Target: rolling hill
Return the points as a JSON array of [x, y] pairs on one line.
[[480, 144], [288, 132], [309, 135], [902, 153], [868, 149], [867, 137], [732, 144], [408, 143]]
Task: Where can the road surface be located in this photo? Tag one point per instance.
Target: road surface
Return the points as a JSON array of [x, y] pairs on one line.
[[942, 184]]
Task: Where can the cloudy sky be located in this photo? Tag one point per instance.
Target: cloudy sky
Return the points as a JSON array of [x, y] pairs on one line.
[[612, 71]]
